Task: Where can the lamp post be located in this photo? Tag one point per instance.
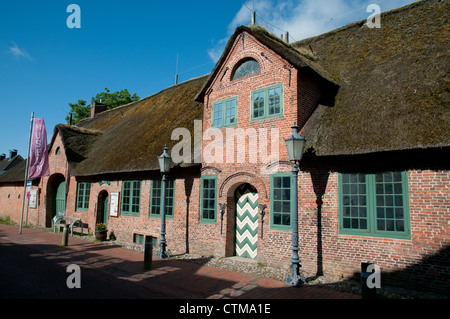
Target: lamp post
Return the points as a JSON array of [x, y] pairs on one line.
[[164, 161], [295, 145]]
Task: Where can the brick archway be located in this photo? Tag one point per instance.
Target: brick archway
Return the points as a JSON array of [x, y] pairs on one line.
[[226, 194], [230, 184]]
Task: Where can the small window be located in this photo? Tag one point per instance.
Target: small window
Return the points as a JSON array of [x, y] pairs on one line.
[[208, 199], [84, 190], [246, 67], [280, 201], [155, 202], [58, 151], [138, 239], [267, 102], [224, 112], [131, 198]]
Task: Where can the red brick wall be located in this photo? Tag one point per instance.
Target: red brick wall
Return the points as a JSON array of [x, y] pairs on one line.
[[322, 248], [421, 260], [123, 226], [404, 258], [275, 247], [11, 195]]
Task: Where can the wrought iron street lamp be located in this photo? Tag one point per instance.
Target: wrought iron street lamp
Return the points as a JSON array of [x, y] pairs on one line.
[[295, 145], [164, 161]]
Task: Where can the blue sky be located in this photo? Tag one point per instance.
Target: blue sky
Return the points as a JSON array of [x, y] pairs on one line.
[[133, 44]]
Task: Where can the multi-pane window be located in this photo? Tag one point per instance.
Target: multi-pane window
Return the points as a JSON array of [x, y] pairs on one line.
[[208, 199], [156, 200], [217, 114], [84, 190], [224, 112], [280, 201], [246, 67], [374, 204], [267, 102], [131, 197], [354, 201], [390, 202]]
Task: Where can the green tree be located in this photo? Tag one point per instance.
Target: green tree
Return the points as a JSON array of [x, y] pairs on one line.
[[81, 111]]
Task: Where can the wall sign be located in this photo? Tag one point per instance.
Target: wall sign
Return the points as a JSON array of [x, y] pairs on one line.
[[32, 200], [114, 205]]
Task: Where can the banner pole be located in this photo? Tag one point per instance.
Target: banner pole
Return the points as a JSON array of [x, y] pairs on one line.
[[26, 173]]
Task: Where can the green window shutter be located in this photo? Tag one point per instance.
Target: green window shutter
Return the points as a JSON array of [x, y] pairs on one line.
[[131, 198], [224, 113], [280, 201], [267, 102], [208, 199], [155, 200], [374, 205], [83, 193]]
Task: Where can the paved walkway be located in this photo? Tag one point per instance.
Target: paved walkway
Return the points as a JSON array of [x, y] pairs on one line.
[[174, 278]]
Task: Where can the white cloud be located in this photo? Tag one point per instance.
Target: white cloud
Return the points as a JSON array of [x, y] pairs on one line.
[[18, 52], [302, 19]]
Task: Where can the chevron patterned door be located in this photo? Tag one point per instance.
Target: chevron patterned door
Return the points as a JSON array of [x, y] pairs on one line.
[[246, 221]]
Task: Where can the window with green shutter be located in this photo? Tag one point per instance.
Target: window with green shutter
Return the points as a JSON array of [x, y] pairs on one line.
[[224, 113], [84, 190], [267, 102], [374, 204], [156, 200], [280, 201], [131, 198], [208, 200]]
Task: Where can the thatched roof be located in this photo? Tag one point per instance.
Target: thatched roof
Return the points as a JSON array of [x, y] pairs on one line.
[[394, 83], [393, 94], [14, 174], [129, 138]]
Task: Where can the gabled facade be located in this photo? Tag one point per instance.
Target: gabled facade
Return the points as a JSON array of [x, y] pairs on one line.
[[369, 189], [257, 91]]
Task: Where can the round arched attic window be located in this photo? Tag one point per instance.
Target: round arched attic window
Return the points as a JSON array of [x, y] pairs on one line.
[[58, 151], [246, 67]]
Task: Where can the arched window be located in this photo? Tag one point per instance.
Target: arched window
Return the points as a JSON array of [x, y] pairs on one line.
[[246, 67]]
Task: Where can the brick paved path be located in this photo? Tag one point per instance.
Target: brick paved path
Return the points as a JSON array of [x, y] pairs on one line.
[[167, 279]]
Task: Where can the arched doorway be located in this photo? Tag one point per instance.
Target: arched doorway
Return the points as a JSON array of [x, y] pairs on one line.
[[102, 207], [56, 198], [246, 224]]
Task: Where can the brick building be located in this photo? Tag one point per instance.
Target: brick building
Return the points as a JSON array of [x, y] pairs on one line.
[[373, 183]]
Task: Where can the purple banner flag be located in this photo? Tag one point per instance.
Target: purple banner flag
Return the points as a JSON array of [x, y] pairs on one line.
[[38, 166]]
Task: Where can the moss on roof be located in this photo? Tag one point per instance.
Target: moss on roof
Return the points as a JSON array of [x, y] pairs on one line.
[[129, 138], [394, 83], [393, 95]]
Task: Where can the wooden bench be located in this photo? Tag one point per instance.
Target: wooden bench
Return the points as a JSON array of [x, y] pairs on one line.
[[60, 221]]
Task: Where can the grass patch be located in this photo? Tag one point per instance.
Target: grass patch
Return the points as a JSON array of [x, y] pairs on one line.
[[6, 221]]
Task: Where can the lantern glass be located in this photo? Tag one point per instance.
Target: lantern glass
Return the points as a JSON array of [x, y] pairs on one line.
[[164, 161], [295, 145]]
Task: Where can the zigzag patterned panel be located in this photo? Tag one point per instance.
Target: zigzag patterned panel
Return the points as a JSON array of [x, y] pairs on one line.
[[246, 222]]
